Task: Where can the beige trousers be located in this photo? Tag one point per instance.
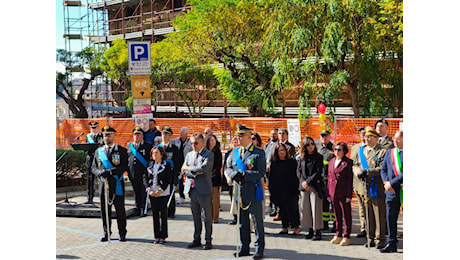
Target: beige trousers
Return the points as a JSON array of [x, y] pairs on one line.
[[311, 209]]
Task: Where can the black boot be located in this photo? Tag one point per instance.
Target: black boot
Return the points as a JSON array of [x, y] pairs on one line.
[[317, 235], [310, 234]]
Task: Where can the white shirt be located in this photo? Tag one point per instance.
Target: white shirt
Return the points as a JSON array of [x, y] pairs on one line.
[[337, 162], [155, 185]]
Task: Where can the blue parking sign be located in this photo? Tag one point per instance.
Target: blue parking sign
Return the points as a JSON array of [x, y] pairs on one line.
[[139, 58]]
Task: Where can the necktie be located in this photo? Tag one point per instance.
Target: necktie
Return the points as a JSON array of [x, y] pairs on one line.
[[196, 159], [243, 150]]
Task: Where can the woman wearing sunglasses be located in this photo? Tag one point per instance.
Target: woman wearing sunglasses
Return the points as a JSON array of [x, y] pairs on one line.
[[309, 169], [340, 185]]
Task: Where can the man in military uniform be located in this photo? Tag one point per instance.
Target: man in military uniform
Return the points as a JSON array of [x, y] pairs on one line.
[[326, 150], [94, 137], [359, 191], [138, 159], [246, 165], [381, 127], [109, 164], [368, 166], [173, 158]]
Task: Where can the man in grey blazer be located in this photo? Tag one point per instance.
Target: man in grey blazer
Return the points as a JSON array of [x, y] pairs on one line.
[[197, 168], [247, 165]]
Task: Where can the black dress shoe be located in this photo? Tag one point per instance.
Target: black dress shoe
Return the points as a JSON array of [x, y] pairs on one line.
[[317, 235], [233, 222], [389, 248], [207, 246], [194, 244], [283, 233], [371, 244], [122, 238], [88, 202], [242, 253], [361, 234], [258, 255], [104, 239], [310, 234]]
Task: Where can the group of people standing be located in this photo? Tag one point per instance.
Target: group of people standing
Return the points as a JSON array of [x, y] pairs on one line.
[[303, 186]]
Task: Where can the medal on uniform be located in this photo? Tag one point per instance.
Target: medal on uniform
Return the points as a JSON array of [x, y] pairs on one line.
[[116, 159]]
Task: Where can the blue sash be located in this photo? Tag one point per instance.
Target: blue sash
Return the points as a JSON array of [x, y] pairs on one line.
[[108, 166], [90, 140], [105, 161], [373, 190], [169, 159], [242, 167], [138, 155], [118, 188]]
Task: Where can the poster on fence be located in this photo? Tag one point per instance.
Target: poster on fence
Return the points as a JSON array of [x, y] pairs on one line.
[[293, 126]]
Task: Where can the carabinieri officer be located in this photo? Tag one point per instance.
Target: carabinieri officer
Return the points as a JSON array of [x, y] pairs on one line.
[[138, 158], [94, 137], [247, 165], [110, 162]]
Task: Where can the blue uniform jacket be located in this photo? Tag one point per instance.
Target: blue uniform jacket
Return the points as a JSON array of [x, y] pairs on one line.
[[254, 159], [388, 174]]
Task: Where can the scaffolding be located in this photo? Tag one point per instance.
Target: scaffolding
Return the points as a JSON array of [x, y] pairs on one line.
[[97, 23]]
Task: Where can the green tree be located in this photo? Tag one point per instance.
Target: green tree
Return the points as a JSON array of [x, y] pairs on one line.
[[175, 68], [87, 59], [115, 66], [230, 32], [333, 44]]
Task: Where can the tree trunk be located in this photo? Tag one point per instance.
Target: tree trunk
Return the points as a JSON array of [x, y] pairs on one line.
[[353, 90]]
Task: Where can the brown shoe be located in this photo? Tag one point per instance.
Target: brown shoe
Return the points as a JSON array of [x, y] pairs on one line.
[[345, 241], [336, 240], [277, 218]]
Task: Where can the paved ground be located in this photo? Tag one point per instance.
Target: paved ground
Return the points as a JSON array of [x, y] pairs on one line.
[[79, 238]]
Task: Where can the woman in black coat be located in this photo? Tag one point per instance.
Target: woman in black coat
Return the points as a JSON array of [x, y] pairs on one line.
[[158, 182], [284, 188], [212, 145], [309, 170]]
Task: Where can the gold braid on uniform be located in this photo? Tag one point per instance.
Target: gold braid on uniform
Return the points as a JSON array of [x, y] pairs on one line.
[[241, 205]]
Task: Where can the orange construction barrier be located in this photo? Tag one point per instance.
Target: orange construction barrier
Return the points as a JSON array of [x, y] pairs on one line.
[[346, 129]]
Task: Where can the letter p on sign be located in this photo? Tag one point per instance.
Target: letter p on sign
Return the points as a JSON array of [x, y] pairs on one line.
[[138, 50]]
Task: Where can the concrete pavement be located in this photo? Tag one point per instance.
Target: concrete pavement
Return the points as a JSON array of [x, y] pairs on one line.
[[79, 238]]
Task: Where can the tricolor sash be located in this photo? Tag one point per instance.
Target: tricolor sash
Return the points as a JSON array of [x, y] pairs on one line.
[[138, 155], [397, 166], [373, 190], [105, 161], [242, 167], [90, 139]]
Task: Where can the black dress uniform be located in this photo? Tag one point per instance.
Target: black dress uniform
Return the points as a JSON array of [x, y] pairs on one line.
[[327, 153], [137, 170], [118, 157], [172, 153], [90, 178]]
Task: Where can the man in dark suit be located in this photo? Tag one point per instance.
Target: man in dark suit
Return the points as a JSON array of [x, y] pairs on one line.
[[381, 127], [110, 162], [94, 137], [247, 165], [197, 168], [138, 158], [392, 177]]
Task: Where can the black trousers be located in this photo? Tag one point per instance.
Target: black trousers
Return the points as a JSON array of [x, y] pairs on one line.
[[91, 185], [160, 216], [119, 202], [140, 194], [289, 212]]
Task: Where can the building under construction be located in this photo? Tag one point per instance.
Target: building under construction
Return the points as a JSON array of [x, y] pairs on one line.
[[99, 22]]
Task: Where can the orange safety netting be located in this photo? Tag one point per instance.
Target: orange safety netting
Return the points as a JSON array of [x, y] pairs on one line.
[[346, 129]]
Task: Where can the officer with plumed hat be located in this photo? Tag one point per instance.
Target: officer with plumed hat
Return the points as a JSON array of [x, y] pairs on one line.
[[138, 158], [246, 165], [109, 164]]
